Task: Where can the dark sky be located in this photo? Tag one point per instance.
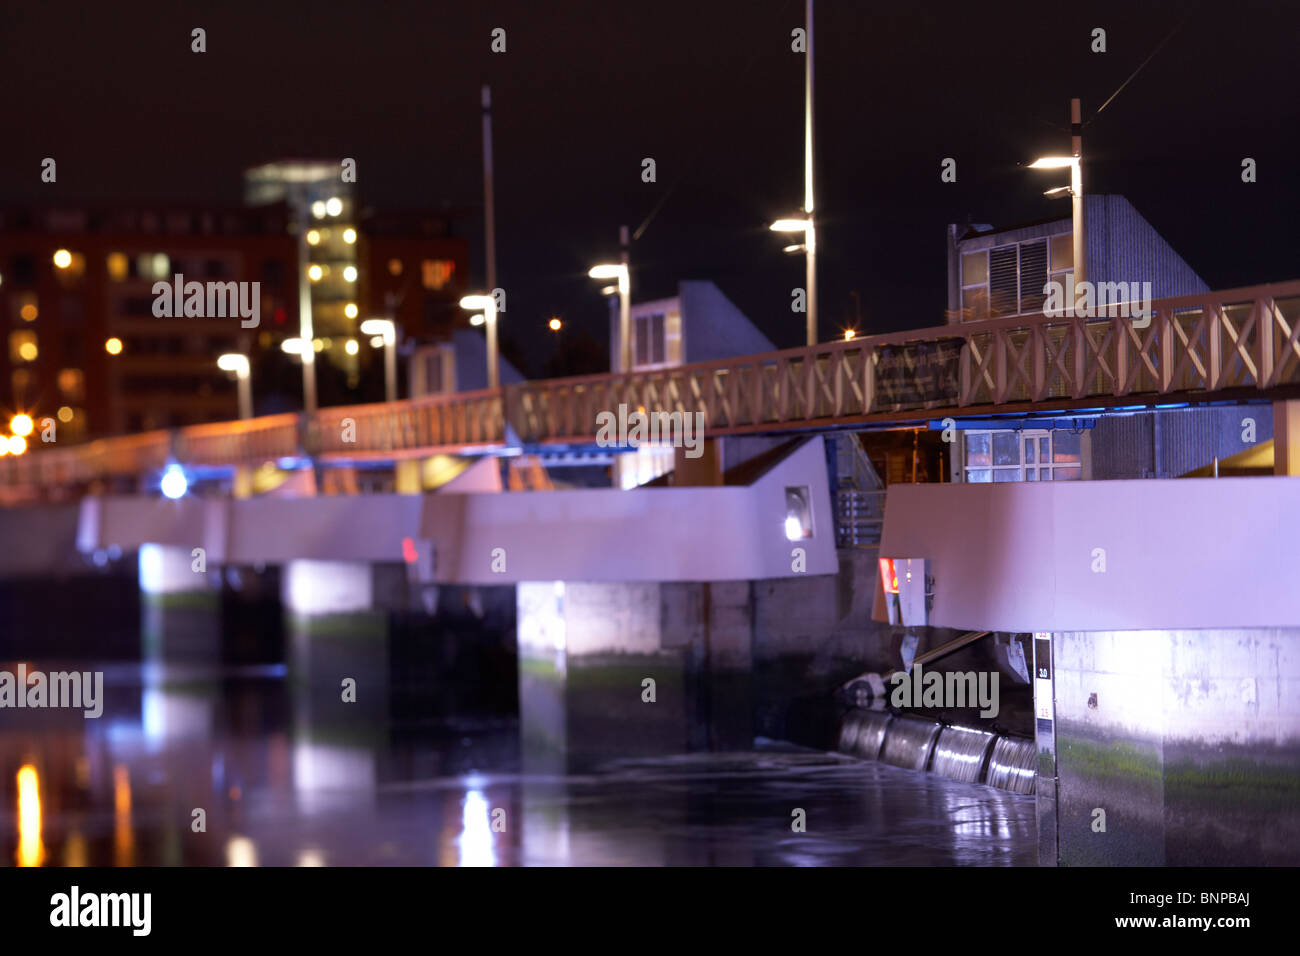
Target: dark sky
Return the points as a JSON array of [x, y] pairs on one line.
[[712, 91]]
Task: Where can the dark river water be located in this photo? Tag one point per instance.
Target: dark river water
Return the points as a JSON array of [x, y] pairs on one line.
[[275, 789]]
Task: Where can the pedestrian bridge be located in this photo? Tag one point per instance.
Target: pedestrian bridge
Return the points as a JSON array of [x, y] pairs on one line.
[[1240, 344]]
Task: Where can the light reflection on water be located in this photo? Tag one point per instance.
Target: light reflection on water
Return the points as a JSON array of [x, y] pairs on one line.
[[283, 782]]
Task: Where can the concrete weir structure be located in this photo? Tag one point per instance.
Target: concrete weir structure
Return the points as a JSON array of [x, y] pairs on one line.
[[1166, 623], [613, 588]]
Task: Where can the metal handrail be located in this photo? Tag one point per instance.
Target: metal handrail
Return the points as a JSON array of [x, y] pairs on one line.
[[1239, 338]]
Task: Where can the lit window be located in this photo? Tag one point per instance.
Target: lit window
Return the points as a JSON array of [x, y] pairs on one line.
[[436, 272], [27, 306], [152, 265], [350, 273], [314, 272], [113, 346], [118, 266], [648, 340], [65, 414], [313, 237], [69, 264], [349, 236], [997, 456], [318, 209], [350, 310], [22, 346], [335, 206], [72, 384], [394, 267]]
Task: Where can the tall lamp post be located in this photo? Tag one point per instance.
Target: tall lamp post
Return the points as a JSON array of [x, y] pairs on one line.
[[233, 362], [620, 272], [489, 306], [305, 325], [806, 223], [1075, 189], [387, 329]]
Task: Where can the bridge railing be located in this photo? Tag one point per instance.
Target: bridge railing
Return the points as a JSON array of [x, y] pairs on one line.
[[1241, 338], [385, 430]]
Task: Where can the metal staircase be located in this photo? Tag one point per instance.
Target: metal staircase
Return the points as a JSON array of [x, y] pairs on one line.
[[859, 496]]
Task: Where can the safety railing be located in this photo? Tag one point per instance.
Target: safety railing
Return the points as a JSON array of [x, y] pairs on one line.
[[1242, 338]]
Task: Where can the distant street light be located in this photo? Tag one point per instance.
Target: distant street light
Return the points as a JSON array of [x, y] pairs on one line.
[[789, 225], [1075, 189], [555, 324], [620, 272], [17, 444], [489, 306], [21, 424], [232, 362], [385, 329], [809, 248]]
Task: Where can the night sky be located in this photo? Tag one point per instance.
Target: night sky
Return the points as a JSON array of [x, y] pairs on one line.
[[713, 93]]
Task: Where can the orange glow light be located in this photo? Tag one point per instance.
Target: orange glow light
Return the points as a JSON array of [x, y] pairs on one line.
[[888, 576], [31, 851]]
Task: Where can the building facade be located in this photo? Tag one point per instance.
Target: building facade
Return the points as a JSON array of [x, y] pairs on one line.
[[999, 272], [83, 345], [996, 273]]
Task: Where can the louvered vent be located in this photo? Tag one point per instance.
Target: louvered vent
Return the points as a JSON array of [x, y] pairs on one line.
[[1033, 275], [1004, 287]]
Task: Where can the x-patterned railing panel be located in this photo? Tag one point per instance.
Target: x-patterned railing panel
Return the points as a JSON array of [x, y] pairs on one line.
[[1241, 338]]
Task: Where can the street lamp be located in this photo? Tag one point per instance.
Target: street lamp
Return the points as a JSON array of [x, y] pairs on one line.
[[805, 225], [489, 306], [619, 272], [386, 329], [809, 248], [233, 362], [1075, 189]]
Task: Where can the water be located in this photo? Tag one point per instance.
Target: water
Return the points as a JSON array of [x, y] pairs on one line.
[[279, 786]]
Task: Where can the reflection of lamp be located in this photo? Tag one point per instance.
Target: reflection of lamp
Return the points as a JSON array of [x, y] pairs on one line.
[[798, 514]]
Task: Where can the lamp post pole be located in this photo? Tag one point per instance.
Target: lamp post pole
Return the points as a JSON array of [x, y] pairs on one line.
[[489, 230], [625, 306], [304, 324], [810, 236], [1076, 188]]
